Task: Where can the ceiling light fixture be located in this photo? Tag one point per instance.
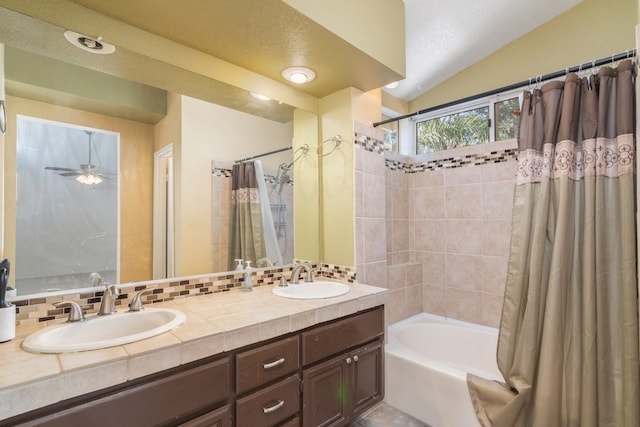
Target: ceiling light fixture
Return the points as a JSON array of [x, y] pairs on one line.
[[392, 85], [299, 75], [90, 44], [89, 179]]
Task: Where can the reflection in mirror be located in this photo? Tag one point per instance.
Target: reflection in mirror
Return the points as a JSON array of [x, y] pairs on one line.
[[260, 218], [147, 120], [66, 206]]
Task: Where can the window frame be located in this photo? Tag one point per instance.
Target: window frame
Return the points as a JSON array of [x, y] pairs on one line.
[[488, 101]]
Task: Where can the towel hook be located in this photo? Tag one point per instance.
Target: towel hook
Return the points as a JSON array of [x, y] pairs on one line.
[[337, 140]]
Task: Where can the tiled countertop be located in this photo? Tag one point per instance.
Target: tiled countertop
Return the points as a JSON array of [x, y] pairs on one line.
[[214, 324]]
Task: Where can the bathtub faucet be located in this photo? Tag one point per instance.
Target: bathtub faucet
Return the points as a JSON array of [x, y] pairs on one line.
[[296, 272]]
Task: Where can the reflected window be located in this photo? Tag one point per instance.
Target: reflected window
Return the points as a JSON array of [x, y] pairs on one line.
[[391, 135], [66, 207]]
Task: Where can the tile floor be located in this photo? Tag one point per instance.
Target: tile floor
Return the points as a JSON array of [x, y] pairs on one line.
[[385, 415]]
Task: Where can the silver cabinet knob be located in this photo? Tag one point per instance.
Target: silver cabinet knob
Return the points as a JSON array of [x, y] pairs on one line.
[[348, 361]]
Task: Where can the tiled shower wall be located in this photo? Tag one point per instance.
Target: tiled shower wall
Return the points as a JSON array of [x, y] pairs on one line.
[[460, 234], [445, 226]]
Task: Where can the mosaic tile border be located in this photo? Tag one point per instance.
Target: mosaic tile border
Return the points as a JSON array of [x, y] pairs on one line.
[[228, 173], [36, 310], [222, 172], [498, 156], [368, 143]]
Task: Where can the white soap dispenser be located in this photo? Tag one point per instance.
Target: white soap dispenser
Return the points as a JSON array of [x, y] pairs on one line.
[[246, 286], [239, 266]]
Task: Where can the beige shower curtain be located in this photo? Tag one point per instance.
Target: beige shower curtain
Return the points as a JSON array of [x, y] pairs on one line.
[[568, 341], [246, 234]]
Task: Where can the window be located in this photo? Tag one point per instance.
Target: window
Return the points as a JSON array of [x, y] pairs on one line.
[[506, 117], [484, 121]]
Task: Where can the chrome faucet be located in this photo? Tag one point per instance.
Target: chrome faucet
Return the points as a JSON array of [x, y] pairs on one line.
[[296, 272], [108, 304]]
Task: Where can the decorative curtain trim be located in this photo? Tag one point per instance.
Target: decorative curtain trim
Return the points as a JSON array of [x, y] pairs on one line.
[[245, 195], [593, 157]]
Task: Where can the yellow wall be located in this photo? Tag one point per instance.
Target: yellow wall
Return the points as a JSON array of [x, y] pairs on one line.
[[136, 156], [594, 29], [337, 115], [336, 178], [376, 30], [306, 188]]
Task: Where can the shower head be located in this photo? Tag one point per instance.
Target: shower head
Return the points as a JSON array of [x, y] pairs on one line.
[[282, 176]]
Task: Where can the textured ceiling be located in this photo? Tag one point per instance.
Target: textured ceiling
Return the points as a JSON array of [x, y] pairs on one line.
[[445, 37], [263, 36]]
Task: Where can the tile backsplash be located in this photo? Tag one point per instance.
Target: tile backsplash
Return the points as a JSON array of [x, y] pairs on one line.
[[40, 308]]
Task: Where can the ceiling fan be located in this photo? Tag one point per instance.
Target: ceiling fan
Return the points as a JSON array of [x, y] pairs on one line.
[[87, 174]]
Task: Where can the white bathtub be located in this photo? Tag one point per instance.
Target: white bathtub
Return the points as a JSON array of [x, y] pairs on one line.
[[427, 361]]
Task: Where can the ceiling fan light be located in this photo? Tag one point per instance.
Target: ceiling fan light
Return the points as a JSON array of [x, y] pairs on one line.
[[89, 179]]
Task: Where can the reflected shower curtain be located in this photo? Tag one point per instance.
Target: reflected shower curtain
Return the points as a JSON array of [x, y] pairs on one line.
[[246, 241], [568, 341]]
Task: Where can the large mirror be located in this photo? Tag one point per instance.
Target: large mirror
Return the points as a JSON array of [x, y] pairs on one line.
[[175, 153]]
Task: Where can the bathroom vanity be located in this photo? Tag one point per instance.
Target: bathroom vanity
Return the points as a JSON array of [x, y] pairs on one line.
[[326, 373]]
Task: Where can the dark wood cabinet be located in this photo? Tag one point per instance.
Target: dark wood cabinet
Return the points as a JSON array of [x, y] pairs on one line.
[[322, 376], [219, 418], [165, 399], [271, 405], [341, 388]]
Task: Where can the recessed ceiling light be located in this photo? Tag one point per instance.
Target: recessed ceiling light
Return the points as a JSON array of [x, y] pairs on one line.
[[392, 85], [298, 75], [259, 96]]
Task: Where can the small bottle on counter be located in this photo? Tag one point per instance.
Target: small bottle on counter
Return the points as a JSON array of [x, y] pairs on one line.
[[246, 285]]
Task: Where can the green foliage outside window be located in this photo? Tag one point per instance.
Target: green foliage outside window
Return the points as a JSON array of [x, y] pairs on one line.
[[454, 130], [506, 120], [469, 127]]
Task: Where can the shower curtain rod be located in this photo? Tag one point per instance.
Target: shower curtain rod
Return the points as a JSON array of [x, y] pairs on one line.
[[280, 150], [540, 78]]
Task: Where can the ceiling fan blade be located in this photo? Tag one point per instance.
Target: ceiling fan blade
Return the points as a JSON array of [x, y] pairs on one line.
[[55, 168], [74, 173]]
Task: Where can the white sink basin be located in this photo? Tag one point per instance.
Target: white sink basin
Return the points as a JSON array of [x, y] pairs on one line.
[[103, 331], [312, 290]]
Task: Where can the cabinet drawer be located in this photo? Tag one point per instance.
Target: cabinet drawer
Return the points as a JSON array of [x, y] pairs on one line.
[[162, 401], [335, 337], [266, 363], [218, 418], [270, 405], [291, 423]]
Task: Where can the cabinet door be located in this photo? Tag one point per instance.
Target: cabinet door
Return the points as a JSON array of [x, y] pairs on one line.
[[218, 418], [325, 393], [368, 379]]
